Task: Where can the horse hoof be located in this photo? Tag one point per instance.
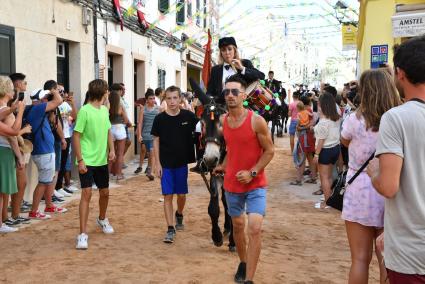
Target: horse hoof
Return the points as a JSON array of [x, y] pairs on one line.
[[232, 248], [218, 244]]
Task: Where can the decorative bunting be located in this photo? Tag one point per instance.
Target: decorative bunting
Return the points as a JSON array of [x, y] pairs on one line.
[[117, 8]]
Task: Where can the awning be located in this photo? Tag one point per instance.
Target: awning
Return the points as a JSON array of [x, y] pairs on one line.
[[409, 24]]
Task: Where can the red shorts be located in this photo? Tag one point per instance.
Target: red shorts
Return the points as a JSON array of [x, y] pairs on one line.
[[400, 278], [308, 147]]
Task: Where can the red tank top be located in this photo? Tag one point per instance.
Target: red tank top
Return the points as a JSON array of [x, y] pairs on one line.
[[243, 153]]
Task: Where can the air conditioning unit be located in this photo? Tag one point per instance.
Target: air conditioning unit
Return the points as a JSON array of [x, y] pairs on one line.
[[87, 16]]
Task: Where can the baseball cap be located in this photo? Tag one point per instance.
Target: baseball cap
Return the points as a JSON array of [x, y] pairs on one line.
[[39, 94]]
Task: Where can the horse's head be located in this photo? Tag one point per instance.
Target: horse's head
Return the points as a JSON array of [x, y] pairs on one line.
[[212, 132]]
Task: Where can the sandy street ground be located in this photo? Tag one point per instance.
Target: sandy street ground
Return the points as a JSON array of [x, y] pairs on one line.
[[301, 244]]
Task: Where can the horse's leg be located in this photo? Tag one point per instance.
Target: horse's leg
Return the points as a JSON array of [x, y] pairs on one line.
[[214, 212], [228, 226]]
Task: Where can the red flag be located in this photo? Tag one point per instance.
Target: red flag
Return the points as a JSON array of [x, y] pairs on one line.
[[142, 20], [206, 69], [117, 7]]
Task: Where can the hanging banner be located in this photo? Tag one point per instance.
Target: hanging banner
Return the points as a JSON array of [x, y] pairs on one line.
[[349, 37]]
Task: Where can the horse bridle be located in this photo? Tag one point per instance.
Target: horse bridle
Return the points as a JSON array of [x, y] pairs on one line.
[[213, 110]]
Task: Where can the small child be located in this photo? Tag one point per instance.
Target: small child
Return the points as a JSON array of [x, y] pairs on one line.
[[305, 115]]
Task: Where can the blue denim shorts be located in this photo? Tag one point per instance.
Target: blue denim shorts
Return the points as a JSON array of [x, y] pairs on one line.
[[253, 201], [46, 167], [293, 127], [148, 145], [58, 153]]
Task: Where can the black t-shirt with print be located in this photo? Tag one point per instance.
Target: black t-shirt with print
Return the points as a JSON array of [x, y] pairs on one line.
[[176, 142]]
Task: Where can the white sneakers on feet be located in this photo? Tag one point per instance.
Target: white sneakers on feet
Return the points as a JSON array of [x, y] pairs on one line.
[[57, 194], [106, 227], [6, 229], [64, 193], [82, 241], [72, 188]]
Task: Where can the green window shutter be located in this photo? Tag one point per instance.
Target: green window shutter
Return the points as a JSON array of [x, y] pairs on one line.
[[163, 5], [180, 12]]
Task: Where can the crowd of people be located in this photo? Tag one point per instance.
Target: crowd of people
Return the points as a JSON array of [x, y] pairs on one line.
[[380, 115]]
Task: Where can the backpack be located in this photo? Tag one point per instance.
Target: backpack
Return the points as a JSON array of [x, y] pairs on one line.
[[31, 136]]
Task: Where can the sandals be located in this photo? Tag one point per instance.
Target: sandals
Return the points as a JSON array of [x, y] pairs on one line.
[[311, 180], [318, 192], [297, 182]]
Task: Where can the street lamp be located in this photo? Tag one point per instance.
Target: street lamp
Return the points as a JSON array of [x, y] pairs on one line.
[[340, 10]]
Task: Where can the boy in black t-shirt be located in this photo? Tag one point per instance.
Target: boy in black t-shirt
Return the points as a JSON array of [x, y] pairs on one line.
[[173, 151]]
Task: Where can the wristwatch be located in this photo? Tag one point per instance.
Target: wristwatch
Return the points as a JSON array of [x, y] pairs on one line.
[[253, 174]]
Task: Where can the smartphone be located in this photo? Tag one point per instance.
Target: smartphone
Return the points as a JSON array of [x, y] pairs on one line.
[[21, 96]]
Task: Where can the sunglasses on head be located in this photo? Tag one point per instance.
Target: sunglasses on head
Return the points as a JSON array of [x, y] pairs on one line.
[[235, 92]]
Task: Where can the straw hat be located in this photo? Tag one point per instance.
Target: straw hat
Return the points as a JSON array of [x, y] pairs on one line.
[[25, 145]]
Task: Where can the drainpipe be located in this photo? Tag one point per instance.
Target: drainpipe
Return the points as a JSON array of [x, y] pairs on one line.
[[96, 54]]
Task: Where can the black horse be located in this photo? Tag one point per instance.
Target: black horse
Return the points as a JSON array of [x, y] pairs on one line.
[[215, 151], [279, 119]]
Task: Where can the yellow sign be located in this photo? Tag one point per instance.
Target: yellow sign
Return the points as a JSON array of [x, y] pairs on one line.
[[349, 37]]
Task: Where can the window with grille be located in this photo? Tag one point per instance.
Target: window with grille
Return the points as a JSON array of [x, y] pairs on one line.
[[161, 78], [163, 5], [180, 12]]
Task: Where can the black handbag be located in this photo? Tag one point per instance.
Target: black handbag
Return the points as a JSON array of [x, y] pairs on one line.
[[336, 199]]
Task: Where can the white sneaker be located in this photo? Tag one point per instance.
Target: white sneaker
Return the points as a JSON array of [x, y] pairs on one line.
[[72, 188], [106, 227], [6, 229], [82, 241], [64, 193], [57, 194]]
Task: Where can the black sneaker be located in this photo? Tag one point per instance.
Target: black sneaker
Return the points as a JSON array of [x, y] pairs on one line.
[[169, 237], [67, 190], [57, 199], [11, 222], [179, 222], [138, 170], [23, 220], [148, 170], [241, 273]]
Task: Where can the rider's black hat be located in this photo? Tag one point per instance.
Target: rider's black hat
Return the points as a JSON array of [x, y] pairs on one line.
[[225, 41]]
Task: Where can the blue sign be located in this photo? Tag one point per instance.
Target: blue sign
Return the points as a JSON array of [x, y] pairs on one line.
[[378, 55]]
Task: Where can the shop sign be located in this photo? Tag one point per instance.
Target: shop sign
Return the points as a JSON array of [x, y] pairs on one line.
[[408, 25], [349, 37]]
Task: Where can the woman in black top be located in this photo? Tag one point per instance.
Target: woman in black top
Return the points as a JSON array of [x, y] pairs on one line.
[[229, 64]]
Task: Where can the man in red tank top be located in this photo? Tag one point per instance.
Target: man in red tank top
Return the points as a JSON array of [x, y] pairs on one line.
[[249, 150]]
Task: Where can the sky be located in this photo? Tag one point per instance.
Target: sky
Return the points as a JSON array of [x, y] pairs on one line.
[[259, 24]]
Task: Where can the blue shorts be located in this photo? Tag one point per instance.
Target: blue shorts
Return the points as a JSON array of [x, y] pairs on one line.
[[68, 165], [174, 181], [293, 127], [329, 156], [58, 153], [254, 201], [148, 145]]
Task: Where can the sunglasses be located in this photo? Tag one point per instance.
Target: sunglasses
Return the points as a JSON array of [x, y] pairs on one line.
[[235, 92]]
